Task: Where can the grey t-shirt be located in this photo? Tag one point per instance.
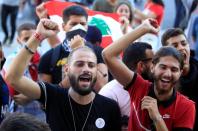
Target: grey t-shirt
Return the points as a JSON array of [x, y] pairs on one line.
[[103, 6]]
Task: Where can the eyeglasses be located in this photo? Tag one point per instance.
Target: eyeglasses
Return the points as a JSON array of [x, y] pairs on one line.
[[146, 59]]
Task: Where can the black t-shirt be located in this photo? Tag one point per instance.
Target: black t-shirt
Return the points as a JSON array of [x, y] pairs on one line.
[[46, 67], [189, 83], [104, 113], [189, 86]]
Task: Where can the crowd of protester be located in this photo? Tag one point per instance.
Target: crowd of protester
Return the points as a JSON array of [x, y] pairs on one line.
[[139, 82]]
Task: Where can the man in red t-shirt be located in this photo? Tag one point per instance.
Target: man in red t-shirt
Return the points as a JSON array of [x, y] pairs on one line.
[[154, 106]]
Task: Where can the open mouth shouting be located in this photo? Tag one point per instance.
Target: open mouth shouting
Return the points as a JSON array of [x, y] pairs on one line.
[[165, 82], [85, 80], [184, 56]]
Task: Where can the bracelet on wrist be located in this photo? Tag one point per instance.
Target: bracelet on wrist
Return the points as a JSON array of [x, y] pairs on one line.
[[157, 119], [38, 36], [29, 50], [103, 74]]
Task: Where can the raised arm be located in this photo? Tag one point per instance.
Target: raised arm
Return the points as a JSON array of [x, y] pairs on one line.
[[14, 76], [142, 16], [53, 41], [111, 54]]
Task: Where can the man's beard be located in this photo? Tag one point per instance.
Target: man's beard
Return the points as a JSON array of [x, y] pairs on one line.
[[147, 75], [162, 91], [76, 87]]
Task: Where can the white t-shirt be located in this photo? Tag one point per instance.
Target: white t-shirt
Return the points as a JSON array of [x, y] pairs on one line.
[[114, 90]]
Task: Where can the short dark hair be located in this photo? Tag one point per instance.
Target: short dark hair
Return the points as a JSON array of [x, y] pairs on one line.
[[23, 122], [168, 51], [159, 2], [94, 35], [134, 53], [83, 48], [26, 26], [74, 10], [172, 32]]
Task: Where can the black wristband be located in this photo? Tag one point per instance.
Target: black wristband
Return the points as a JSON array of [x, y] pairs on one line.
[[29, 50]]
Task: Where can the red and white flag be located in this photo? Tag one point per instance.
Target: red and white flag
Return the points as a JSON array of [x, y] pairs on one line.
[[108, 23]]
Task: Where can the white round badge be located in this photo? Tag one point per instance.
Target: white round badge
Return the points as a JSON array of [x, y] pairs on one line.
[[100, 123]]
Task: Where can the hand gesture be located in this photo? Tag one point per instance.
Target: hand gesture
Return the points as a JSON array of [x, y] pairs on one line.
[[151, 25], [41, 11], [47, 28], [124, 24], [21, 99], [77, 41], [150, 104]]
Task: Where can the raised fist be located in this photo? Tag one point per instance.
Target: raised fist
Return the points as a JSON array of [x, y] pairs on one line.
[[151, 26], [47, 28], [41, 11]]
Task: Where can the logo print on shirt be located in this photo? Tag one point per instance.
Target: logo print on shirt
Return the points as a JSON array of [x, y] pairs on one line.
[[166, 116], [100, 123]]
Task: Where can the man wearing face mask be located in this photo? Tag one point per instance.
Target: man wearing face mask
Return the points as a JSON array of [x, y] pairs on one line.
[[52, 63]]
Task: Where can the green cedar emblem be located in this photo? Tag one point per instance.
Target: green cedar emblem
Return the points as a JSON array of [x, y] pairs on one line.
[[100, 24]]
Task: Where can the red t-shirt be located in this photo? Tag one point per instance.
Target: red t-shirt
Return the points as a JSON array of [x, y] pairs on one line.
[[158, 10], [179, 114]]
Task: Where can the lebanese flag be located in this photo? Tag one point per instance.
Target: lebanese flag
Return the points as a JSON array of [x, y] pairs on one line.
[[108, 23]]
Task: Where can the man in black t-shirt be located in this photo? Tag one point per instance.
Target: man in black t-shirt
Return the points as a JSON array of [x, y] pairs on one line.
[[73, 109]]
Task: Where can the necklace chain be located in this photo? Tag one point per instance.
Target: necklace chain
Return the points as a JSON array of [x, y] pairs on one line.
[[74, 122]]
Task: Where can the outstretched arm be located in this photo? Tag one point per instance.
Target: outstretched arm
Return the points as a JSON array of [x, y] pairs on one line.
[[14, 76], [110, 54]]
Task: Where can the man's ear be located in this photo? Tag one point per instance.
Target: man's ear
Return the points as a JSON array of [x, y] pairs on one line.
[[140, 67], [18, 41], [63, 26], [152, 68], [66, 68], [181, 72]]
